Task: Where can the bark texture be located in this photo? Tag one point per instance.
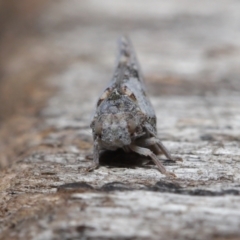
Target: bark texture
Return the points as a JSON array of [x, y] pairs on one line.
[[190, 56]]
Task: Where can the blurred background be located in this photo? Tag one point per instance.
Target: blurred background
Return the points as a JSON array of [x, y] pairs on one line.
[[185, 48], [18, 26], [192, 40]]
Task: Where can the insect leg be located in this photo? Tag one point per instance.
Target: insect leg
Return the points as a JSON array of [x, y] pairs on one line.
[[153, 141], [148, 153], [95, 163]]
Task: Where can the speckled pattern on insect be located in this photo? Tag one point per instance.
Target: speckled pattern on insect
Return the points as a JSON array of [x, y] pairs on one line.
[[124, 116]]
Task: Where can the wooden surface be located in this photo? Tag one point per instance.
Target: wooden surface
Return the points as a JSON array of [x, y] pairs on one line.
[[190, 56]]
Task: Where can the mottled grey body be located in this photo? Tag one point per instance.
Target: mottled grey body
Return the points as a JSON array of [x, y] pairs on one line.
[[124, 116]]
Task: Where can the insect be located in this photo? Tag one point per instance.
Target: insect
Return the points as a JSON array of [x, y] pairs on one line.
[[124, 116]]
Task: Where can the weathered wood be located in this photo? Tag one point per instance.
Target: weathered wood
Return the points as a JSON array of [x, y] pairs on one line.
[[189, 53]]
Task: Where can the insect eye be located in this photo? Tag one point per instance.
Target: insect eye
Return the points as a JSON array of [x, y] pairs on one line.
[[104, 96], [129, 93]]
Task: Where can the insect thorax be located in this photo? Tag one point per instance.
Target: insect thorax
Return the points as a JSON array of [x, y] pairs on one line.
[[118, 121]]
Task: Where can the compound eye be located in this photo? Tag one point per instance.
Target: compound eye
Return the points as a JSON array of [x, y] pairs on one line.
[[132, 126], [104, 96], [98, 128], [129, 93]]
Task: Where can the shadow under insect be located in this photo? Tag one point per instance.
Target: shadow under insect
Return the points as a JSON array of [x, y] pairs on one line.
[[120, 158]]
